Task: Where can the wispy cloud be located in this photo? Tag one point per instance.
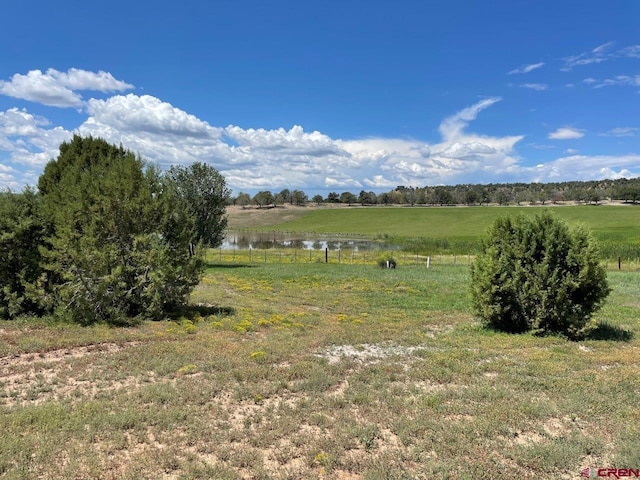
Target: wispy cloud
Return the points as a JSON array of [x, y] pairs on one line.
[[601, 53], [60, 89], [525, 68], [597, 55], [566, 133], [452, 126], [602, 49], [632, 51], [618, 80], [535, 86], [621, 132]]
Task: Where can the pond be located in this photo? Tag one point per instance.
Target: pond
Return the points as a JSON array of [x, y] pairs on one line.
[[254, 240]]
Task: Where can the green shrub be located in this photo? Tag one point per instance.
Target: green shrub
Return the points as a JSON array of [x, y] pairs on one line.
[[386, 260], [537, 274], [22, 230]]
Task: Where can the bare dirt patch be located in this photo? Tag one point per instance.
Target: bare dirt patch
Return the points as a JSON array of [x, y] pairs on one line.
[[367, 353], [62, 354], [34, 378], [254, 217]]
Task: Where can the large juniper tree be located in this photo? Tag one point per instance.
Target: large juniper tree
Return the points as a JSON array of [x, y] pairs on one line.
[[121, 240]]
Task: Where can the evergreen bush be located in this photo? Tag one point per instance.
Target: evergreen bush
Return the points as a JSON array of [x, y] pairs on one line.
[[120, 247], [537, 274]]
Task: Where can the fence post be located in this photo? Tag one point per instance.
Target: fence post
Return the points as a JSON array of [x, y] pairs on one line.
[[250, 255], [326, 255], [428, 261]]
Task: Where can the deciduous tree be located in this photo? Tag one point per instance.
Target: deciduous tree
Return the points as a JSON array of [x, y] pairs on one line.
[[204, 192]]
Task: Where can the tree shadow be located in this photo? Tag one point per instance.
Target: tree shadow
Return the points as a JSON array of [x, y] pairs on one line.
[[605, 331], [203, 310], [228, 265]]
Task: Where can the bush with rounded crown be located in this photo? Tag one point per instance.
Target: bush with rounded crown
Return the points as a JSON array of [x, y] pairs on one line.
[[538, 274]]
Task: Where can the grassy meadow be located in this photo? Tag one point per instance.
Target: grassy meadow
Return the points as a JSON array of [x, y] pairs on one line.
[[321, 371], [434, 230], [284, 370]]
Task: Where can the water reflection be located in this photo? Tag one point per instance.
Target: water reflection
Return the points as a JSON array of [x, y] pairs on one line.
[[300, 241]]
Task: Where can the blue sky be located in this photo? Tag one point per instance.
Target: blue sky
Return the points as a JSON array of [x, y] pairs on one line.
[[328, 96]]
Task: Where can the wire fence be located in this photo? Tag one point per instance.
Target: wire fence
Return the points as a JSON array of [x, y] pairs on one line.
[[364, 257]]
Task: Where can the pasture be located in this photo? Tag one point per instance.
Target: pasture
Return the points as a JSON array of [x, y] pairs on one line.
[[436, 230], [327, 371]]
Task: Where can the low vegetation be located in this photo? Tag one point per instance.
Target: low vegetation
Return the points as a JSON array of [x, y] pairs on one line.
[[321, 371]]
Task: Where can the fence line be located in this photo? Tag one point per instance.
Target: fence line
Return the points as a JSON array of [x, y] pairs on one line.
[[353, 257], [337, 256]]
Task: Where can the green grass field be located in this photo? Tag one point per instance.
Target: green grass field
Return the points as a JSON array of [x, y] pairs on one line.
[[321, 371], [430, 230]]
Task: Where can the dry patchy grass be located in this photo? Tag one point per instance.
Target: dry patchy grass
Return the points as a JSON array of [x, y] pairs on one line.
[[321, 371]]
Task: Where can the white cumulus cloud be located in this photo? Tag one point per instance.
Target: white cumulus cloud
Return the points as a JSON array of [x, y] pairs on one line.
[[28, 138], [147, 114], [254, 159], [586, 167], [293, 141], [59, 89], [566, 133]]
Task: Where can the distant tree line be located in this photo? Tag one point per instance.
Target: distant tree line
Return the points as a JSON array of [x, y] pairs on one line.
[[587, 192]]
